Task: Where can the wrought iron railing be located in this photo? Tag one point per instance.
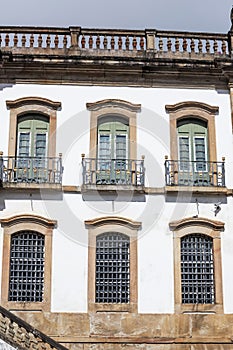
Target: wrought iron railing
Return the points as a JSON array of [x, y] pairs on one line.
[[194, 173], [31, 170], [113, 171]]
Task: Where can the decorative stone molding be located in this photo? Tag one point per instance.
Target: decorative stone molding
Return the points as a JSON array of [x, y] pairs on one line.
[[116, 220], [28, 218], [114, 103], [24, 101], [186, 222]]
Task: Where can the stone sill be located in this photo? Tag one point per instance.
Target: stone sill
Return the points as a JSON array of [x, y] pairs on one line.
[[196, 189], [112, 189], [31, 186]]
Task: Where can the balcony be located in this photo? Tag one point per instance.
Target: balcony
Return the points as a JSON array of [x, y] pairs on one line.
[[194, 173], [30, 170], [115, 172]]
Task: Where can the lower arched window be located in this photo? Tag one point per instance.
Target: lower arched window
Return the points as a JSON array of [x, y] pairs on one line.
[[112, 268], [197, 269], [27, 258]]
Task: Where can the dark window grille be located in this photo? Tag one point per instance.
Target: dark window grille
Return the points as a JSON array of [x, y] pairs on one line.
[[197, 269], [26, 267], [112, 268]]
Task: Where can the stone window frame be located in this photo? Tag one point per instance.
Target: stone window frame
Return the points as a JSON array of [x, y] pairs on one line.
[[102, 225], [28, 222], [118, 108], [196, 110], [27, 105], [210, 228]]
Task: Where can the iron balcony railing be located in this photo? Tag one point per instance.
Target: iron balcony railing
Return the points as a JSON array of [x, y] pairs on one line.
[[31, 170], [194, 173], [113, 171]]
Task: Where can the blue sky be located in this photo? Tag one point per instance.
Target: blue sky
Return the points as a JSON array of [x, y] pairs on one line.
[[189, 15]]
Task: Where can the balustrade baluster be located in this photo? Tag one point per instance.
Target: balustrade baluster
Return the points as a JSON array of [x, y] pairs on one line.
[[161, 44], [177, 45], [31, 40], [215, 46], [105, 42], [141, 43], [192, 45], [15, 40], [224, 47], [134, 43], [48, 41], [3, 324], [185, 45], [200, 45], [56, 41], [7, 40], [98, 42], [120, 43], [65, 41], [169, 44], [23, 40], [83, 42], [112, 43], [127, 43], [90, 42], [40, 40], [207, 46]]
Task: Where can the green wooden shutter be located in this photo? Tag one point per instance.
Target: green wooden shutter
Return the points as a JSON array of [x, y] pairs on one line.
[[32, 136], [193, 140]]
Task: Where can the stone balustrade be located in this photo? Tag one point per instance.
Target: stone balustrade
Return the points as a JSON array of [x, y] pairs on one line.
[[21, 335], [35, 40]]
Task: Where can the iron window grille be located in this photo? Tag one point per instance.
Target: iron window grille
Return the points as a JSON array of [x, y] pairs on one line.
[[197, 269], [26, 267], [112, 268]]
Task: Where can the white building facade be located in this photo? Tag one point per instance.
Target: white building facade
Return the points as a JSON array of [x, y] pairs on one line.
[[116, 187]]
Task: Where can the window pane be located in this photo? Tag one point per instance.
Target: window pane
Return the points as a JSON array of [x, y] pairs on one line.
[[24, 142], [40, 145], [26, 267], [200, 153], [184, 152], [112, 268], [197, 269]]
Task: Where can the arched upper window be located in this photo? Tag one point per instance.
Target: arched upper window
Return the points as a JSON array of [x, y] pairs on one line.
[[193, 155], [113, 144]]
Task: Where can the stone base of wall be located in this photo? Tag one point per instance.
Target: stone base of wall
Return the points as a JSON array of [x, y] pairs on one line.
[[109, 330]]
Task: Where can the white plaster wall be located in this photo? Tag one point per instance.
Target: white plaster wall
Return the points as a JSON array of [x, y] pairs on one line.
[[155, 243]]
